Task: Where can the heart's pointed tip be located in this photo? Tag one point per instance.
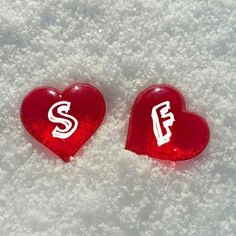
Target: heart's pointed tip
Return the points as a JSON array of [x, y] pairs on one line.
[[66, 159], [130, 148]]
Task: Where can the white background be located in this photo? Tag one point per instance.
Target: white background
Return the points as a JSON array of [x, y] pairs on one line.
[[121, 47]]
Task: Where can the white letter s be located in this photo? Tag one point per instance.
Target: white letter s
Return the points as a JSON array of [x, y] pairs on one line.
[[70, 122]]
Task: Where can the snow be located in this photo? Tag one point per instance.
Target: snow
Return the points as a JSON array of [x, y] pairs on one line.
[[121, 47]]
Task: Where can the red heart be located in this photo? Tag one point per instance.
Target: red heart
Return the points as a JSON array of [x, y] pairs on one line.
[[63, 121], [160, 126]]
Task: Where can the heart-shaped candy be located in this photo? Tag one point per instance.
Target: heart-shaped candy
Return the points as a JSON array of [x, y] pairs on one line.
[[160, 126], [63, 121]]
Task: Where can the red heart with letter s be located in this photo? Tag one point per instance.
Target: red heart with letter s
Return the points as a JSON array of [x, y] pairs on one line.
[[63, 121]]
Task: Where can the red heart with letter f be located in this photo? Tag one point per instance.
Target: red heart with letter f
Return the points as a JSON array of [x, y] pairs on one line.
[[160, 126], [63, 121]]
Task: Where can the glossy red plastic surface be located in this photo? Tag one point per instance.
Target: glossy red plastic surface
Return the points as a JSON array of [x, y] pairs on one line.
[[86, 108], [189, 131]]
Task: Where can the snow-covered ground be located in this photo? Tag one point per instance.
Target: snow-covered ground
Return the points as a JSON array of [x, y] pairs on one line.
[[121, 47]]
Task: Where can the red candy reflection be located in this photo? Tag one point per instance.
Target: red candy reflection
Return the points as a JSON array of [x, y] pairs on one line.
[[63, 121], [160, 126]]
